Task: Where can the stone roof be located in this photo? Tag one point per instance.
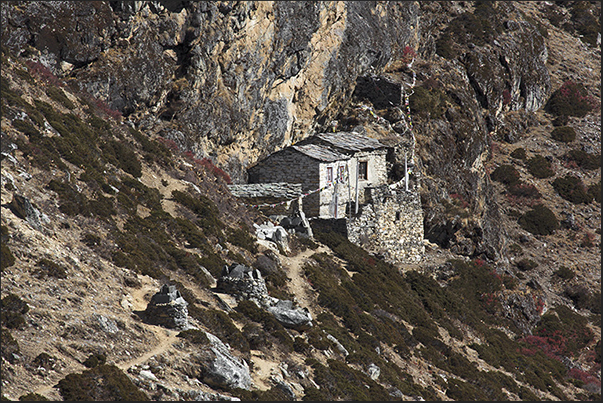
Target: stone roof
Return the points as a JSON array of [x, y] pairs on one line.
[[279, 190], [321, 152], [350, 141]]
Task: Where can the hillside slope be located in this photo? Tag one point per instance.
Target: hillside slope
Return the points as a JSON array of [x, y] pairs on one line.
[[113, 187]]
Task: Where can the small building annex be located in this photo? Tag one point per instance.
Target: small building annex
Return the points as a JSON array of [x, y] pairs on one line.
[[335, 168]]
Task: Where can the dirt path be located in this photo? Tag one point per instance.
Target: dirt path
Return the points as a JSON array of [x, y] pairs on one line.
[[298, 285], [165, 337]]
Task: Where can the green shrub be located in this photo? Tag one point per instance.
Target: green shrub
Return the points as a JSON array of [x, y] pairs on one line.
[[430, 104], [524, 190], [571, 99], [526, 264], [572, 189], [6, 258], [584, 160], [205, 209], [12, 309], [595, 191], [540, 220], [47, 267], [9, 348], [477, 28], [90, 240], [565, 134], [540, 167], [223, 327], [32, 397], [101, 383], [564, 273], [505, 174], [195, 336], [122, 156], [94, 360], [58, 95], [154, 151], [519, 153], [583, 298], [585, 21], [242, 238]]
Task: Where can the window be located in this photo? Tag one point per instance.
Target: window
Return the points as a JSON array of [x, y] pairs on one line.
[[329, 174], [340, 173], [363, 170]]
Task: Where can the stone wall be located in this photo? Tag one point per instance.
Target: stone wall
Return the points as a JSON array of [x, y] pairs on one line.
[[293, 167], [390, 225]]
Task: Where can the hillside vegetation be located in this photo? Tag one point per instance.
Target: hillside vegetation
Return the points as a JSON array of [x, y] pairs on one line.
[[110, 192]]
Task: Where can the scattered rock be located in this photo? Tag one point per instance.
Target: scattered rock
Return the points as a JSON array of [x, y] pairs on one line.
[[21, 206]]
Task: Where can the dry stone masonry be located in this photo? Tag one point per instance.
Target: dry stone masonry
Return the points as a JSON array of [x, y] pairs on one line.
[[167, 308], [390, 225]]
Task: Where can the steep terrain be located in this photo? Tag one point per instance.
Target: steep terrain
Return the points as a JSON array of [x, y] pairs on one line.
[[123, 123]]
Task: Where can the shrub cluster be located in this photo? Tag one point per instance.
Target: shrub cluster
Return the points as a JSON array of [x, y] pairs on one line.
[[540, 220], [58, 95], [47, 267], [12, 309], [241, 237], [595, 191], [206, 210], [519, 153], [505, 174], [565, 273], [571, 99], [479, 28], [94, 360], [86, 386], [564, 134], [572, 189], [6, 259], [526, 264], [583, 159], [540, 167]]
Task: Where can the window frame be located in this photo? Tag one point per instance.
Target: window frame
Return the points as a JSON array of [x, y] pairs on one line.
[[329, 174], [363, 173]]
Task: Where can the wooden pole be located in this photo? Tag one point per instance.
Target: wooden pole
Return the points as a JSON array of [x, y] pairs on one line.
[[405, 172], [357, 172], [347, 168]]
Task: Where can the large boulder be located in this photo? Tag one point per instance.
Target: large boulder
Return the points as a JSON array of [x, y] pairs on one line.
[[22, 207], [221, 368], [273, 233], [289, 315]]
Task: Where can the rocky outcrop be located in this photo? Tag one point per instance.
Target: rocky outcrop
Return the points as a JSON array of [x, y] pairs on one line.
[[273, 233], [221, 368], [249, 76], [21, 206], [247, 283], [167, 308]]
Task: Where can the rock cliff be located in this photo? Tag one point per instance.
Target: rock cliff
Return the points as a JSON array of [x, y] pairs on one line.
[[123, 122]]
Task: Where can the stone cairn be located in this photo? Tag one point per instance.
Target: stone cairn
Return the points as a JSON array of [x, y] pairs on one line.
[[167, 308], [247, 283]]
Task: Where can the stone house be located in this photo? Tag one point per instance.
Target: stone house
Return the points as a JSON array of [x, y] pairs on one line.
[[344, 186], [334, 170]]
